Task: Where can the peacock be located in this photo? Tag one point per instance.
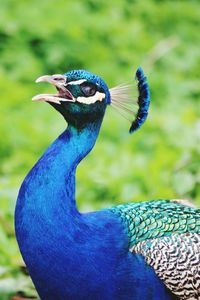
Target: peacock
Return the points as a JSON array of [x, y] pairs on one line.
[[147, 250]]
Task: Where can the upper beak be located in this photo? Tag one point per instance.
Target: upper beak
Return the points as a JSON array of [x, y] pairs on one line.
[[59, 81]]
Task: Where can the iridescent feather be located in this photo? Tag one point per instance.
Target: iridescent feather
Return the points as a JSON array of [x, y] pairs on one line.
[[122, 99], [167, 234]]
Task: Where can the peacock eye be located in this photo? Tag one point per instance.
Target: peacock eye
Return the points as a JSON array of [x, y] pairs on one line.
[[88, 88]]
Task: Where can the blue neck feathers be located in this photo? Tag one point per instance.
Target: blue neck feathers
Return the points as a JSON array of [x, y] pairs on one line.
[[71, 255], [46, 213], [50, 185]]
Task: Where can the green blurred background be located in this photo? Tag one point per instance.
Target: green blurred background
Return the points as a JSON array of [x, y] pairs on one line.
[[110, 38]]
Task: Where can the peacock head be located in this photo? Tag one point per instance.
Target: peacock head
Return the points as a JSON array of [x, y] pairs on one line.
[[82, 97]]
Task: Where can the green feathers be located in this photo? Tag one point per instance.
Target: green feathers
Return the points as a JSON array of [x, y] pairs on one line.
[[155, 219], [166, 234]]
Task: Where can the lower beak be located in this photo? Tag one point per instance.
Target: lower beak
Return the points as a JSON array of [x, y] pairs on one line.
[[59, 81]]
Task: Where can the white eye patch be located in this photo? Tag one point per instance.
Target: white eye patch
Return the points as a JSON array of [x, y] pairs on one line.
[[92, 99], [77, 81]]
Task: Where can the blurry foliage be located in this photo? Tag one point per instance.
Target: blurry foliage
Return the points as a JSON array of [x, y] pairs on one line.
[[110, 38]]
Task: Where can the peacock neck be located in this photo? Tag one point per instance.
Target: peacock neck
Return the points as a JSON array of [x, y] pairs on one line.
[[49, 188]]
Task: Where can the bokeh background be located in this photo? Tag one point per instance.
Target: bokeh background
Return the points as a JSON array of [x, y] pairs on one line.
[[110, 38]]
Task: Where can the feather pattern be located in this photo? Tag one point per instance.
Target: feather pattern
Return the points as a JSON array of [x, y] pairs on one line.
[[176, 261], [166, 233], [122, 99]]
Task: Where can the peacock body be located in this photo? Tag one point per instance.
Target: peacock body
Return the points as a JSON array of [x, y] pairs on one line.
[[148, 250]]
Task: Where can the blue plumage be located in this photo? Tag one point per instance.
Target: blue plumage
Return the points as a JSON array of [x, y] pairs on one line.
[[134, 110], [143, 101], [72, 255]]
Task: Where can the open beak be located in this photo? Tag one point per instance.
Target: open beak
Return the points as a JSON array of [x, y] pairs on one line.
[[59, 81]]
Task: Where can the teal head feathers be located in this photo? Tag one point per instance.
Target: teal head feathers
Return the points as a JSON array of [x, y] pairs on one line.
[[83, 97]]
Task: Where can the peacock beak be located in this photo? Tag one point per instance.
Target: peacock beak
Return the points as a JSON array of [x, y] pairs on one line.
[[59, 81]]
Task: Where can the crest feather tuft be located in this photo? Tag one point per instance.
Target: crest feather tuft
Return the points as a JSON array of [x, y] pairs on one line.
[[122, 99]]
